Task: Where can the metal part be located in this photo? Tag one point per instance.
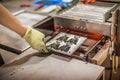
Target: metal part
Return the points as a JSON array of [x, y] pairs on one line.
[[10, 49], [115, 43], [92, 12], [93, 27]]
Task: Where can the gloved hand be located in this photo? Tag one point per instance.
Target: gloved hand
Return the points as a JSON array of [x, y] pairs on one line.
[[35, 39]]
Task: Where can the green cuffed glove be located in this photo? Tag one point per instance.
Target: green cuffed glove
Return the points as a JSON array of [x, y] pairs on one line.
[[35, 40]]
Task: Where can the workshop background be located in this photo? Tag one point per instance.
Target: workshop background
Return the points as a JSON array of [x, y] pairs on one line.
[[15, 52]]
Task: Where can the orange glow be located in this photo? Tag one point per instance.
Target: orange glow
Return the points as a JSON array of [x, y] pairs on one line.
[[88, 1], [81, 2], [91, 0], [56, 27]]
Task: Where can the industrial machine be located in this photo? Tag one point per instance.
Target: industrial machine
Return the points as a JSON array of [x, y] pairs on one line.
[[83, 33], [87, 32]]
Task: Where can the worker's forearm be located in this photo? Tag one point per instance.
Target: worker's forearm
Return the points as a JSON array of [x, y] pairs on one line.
[[10, 21]]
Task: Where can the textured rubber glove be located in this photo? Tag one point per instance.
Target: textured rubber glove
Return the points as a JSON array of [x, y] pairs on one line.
[[35, 40]]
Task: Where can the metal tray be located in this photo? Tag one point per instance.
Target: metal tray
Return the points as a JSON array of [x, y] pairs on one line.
[[65, 43]]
